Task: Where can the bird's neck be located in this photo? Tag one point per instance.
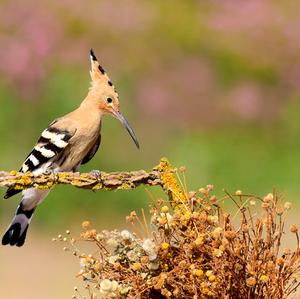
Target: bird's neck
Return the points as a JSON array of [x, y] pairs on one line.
[[89, 106]]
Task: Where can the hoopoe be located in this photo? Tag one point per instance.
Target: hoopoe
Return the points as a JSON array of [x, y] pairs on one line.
[[67, 143]]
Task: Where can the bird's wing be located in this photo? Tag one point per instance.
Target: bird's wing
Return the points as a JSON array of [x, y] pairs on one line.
[[92, 152], [47, 150]]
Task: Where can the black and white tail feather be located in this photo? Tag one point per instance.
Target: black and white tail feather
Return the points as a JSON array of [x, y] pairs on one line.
[[46, 156]]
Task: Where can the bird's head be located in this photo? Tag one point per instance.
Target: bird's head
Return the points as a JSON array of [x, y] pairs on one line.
[[104, 93]]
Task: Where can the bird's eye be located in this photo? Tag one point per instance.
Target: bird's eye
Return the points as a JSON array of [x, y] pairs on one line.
[[109, 100]]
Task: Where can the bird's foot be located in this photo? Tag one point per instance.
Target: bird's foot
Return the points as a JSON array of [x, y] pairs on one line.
[[53, 174], [97, 174]]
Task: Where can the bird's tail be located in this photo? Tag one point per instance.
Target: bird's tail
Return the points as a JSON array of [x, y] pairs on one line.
[[17, 230]]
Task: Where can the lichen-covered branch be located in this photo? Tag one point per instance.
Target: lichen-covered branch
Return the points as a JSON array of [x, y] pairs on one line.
[[160, 175]]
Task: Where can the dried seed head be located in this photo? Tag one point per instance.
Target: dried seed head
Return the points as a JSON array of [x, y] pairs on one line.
[[91, 233], [280, 261], [287, 205], [153, 265], [136, 266], [195, 215], [113, 243], [150, 249], [85, 225], [270, 265], [204, 290], [105, 285], [114, 285], [216, 233], [182, 264], [191, 194], [200, 240], [213, 199], [182, 169], [144, 260], [245, 228], [202, 190], [268, 198], [165, 209], [162, 220], [209, 187], [213, 219], [207, 208], [126, 235], [251, 281], [198, 272], [203, 216], [218, 252], [230, 234], [294, 228], [252, 202], [165, 246], [224, 242], [209, 273], [238, 267], [186, 216], [264, 278], [124, 291]]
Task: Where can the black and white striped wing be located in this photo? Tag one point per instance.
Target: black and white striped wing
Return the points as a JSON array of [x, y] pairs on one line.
[[47, 150]]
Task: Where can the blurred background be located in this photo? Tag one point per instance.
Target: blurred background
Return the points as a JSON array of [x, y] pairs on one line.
[[212, 85]]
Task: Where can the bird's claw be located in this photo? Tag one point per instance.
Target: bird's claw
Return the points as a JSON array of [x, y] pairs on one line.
[[53, 174], [96, 173]]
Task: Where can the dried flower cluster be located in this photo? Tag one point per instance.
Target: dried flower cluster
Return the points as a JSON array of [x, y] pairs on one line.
[[193, 249]]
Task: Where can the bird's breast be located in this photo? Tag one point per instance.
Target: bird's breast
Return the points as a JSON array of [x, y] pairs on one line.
[[79, 146]]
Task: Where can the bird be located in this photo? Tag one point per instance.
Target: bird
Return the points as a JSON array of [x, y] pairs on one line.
[[67, 143]]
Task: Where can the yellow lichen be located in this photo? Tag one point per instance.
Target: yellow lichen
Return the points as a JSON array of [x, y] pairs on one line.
[[169, 182], [165, 246], [62, 175]]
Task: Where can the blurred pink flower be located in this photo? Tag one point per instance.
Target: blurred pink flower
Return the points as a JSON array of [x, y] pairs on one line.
[[29, 34], [241, 16], [250, 101], [246, 100], [114, 15], [292, 77], [182, 93]]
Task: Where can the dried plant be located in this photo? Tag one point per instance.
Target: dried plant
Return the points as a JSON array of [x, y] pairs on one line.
[[192, 248]]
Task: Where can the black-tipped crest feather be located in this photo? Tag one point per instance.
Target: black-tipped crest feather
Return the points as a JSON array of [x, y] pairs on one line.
[[93, 56]]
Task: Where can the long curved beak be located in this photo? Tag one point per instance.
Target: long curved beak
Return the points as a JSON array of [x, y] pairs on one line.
[[122, 119]]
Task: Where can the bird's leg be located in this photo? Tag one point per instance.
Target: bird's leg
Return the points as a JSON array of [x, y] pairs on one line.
[[97, 175]]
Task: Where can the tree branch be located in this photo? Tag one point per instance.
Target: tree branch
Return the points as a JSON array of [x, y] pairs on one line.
[[161, 175], [108, 181]]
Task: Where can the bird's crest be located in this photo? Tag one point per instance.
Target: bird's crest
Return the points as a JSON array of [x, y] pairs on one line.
[[100, 80]]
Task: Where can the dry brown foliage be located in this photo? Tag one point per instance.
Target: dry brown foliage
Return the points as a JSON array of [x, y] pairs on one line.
[[192, 248]]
